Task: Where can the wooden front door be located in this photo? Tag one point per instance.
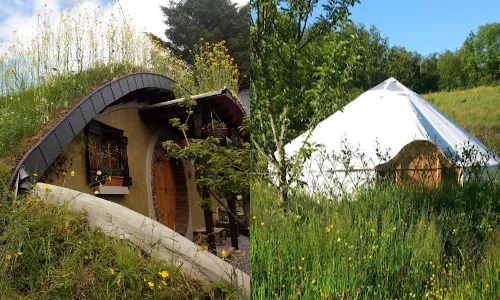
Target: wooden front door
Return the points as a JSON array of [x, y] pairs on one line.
[[164, 187]]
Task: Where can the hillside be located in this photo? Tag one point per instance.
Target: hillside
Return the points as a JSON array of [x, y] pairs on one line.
[[479, 113]]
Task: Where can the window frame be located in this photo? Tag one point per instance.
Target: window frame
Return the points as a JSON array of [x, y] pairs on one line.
[[96, 133]]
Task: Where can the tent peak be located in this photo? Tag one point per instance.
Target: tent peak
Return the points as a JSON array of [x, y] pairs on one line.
[[391, 84]]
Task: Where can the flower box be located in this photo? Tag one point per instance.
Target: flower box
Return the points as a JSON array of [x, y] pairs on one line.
[[113, 181]]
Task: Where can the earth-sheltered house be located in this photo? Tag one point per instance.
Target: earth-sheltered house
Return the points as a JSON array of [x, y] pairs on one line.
[[117, 131]]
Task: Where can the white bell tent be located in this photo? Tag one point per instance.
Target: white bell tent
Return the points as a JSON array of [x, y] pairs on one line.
[[385, 118]]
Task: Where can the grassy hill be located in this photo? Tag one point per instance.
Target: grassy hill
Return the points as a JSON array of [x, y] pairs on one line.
[[479, 113]]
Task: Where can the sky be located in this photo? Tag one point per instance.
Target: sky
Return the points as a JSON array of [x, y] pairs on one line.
[[426, 26], [20, 15]]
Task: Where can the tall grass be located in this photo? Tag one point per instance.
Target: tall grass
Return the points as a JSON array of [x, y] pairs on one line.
[[48, 252], [22, 114], [65, 58], [389, 243]]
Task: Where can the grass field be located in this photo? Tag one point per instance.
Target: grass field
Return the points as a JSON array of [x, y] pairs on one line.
[[390, 243], [479, 114]]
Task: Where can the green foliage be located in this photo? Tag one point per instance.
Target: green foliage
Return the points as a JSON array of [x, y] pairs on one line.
[[222, 169], [214, 21], [450, 71], [404, 66], [475, 63], [297, 70], [389, 242], [429, 73], [372, 48], [480, 56], [300, 72], [49, 252], [212, 69]]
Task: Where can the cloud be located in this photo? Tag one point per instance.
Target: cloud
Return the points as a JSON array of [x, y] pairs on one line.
[[21, 15]]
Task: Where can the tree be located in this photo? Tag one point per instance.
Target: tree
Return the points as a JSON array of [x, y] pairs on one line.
[[372, 67], [450, 71], [405, 67], [429, 73], [480, 56], [300, 73], [213, 21]]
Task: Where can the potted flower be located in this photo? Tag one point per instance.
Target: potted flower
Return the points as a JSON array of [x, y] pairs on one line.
[[113, 176], [215, 129]]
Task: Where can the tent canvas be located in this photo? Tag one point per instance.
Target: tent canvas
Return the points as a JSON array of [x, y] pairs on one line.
[[386, 117]]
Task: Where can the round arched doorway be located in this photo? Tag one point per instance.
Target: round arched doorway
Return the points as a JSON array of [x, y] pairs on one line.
[[170, 194]]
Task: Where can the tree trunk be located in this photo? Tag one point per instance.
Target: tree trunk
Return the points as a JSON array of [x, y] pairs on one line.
[[283, 184], [233, 225], [209, 225], [246, 209]]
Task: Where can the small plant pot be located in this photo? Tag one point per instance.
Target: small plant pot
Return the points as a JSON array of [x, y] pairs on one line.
[[215, 132], [115, 181]]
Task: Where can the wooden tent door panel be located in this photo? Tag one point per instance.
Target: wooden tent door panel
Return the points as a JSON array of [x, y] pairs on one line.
[[165, 190]]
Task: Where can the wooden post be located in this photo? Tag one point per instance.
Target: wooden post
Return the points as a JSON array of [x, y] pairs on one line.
[[198, 123], [231, 204], [209, 224]]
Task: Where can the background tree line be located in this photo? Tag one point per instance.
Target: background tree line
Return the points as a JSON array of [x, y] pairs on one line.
[[475, 63]]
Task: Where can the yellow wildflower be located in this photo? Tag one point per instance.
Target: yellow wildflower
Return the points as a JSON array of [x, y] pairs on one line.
[[163, 274], [8, 256], [96, 192], [112, 271], [72, 173], [151, 285], [224, 254], [99, 172], [45, 186]]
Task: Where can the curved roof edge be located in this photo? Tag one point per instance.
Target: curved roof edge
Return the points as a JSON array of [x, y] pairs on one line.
[[37, 159]]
